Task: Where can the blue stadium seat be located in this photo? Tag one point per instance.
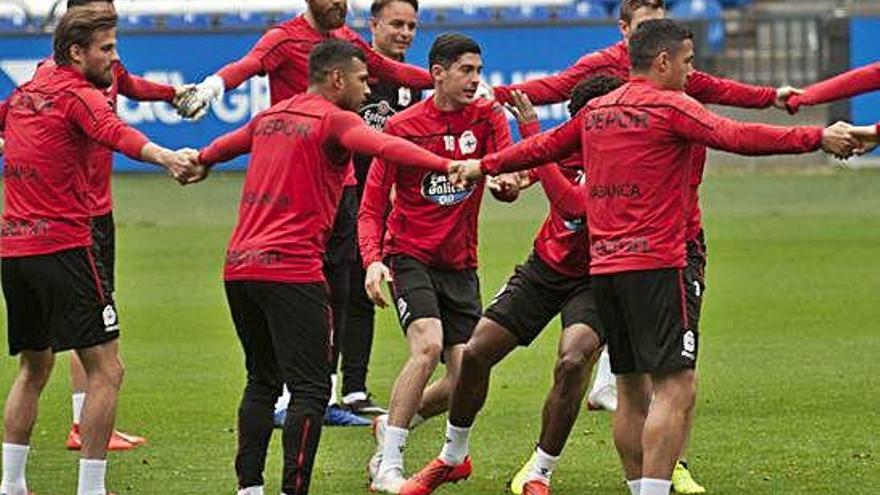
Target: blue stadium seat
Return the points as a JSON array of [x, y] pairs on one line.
[[128, 22], [244, 19], [469, 15], [188, 21], [527, 13], [17, 22], [585, 9], [709, 10]]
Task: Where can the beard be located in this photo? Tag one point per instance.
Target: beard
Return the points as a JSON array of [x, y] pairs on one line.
[[99, 78], [332, 17]]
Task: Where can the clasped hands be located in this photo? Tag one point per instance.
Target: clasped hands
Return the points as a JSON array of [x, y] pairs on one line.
[[183, 165]]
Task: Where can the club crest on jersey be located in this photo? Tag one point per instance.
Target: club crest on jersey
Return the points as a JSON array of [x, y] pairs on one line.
[[467, 142], [404, 97], [437, 189], [377, 114]]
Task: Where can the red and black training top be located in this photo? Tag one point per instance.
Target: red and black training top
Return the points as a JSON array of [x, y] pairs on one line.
[[430, 219], [283, 54], [52, 127], [614, 61], [300, 154], [101, 157], [638, 144], [851, 83]]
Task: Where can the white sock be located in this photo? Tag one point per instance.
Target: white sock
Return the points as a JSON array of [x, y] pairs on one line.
[[354, 397], [635, 486], [416, 421], [392, 450], [456, 447], [77, 400], [653, 486], [283, 401], [14, 463], [91, 477], [543, 466], [251, 490], [604, 377], [333, 397]]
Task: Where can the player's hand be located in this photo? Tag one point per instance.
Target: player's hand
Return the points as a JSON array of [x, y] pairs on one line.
[[837, 140], [465, 173], [377, 273], [2, 145], [199, 172], [867, 136], [196, 105], [505, 187], [783, 95], [183, 93], [521, 107]]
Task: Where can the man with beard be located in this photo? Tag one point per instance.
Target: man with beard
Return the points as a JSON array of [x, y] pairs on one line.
[[300, 156], [55, 287], [103, 226], [283, 53]]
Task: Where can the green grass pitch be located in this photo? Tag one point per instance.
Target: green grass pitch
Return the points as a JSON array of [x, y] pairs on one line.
[[790, 363]]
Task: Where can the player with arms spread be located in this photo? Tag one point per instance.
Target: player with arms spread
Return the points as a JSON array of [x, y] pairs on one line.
[[56, 290], [637, 144], [300, 156]]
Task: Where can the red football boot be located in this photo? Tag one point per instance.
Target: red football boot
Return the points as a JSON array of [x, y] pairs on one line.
[[435, 474]]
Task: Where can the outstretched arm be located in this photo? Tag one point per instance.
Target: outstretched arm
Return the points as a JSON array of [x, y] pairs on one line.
[[846, 85], [349, 131], [228, 146], [557, 88], [139, 89], [709, 89]]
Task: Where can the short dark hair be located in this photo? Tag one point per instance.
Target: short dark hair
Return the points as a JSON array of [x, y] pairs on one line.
[[628, 7], [331, 55], [78, 27], [448, 47], [588, 89], [378, 5], [79, 3], [654, 37]]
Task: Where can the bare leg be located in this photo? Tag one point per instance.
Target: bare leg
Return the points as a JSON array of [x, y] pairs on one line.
[[577, 352], [104, 371], [634, 399], [425, 337], [489, 344], [20, 413], [666, 427]]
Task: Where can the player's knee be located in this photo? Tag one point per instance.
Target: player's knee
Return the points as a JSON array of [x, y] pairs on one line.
[[35, 373], [428, 353], [473, 358], [571, 365]]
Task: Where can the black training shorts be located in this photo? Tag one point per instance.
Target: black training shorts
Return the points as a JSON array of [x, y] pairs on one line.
[[535, 293]]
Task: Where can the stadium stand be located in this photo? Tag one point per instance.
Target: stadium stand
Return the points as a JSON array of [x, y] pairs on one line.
[[27, 15]]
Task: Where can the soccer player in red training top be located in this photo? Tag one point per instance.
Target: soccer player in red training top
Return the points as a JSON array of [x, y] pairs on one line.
[[103, 227], [637, 144], [55, 287], [393, 27], [282, 53], [851, 83], [300, 155], [429, 242], [614, 60], [554, 280]]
